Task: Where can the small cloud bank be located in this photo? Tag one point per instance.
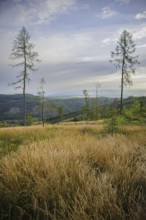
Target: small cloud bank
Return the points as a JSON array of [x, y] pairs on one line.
[[106, 12], [141, 16]]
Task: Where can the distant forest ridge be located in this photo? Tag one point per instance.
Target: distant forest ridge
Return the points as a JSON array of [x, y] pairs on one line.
[[109, 93], [11, 106]]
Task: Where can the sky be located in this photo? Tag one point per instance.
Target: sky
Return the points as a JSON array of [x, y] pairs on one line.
[[74, 39]]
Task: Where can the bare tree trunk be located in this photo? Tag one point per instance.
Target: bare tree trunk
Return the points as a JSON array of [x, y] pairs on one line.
[[24, 103], [122, 84], [24, 87], [43, 112], [96, 104], [122, 78]]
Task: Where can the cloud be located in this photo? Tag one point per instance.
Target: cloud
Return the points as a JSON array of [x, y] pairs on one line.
[[112, 39], [123, 2], [7, 38], [139, 34], [141, 16], [141, 46], [106, 12], [72, 74], [66, 47], [46, 11], [35, 11], [108, 40]]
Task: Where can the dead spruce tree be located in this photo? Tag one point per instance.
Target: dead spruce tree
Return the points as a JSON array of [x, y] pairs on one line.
[[124, 60], [22, 50]]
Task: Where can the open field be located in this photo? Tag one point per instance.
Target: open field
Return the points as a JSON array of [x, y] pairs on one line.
[[72, 172]]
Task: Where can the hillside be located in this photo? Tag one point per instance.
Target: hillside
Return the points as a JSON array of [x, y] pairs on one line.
[[11, 106]]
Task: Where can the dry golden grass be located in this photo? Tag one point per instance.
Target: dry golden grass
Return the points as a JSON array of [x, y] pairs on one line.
[[71, 173]]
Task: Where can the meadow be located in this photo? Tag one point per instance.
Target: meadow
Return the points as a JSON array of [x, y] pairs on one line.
[[72, 172]]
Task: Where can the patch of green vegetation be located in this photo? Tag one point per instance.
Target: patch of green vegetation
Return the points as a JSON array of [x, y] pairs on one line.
[[11, 140], [9, 143], [90, 131]]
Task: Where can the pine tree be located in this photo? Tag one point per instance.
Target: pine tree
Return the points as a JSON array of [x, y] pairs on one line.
[[124, 60], [23, 50]]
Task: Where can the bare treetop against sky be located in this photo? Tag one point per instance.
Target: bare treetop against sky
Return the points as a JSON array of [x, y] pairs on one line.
[[74, 39]]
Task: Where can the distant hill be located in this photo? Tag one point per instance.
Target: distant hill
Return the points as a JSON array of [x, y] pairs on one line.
[[11, 106], [128, 101]]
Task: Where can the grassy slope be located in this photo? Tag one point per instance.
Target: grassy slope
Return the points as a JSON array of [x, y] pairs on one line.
[[71, 172]]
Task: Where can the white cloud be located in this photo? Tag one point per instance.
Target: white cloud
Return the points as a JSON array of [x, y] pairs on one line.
[[108, 40], [123, 2], [106, 12], [51, 8], [68, 47], [7, 38], [89, 58], [111, 39], [141, 16], [141, 46], [35, 11], [139, 33]]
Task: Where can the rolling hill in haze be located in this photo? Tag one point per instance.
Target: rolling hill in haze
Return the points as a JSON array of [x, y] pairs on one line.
[[11, 106]]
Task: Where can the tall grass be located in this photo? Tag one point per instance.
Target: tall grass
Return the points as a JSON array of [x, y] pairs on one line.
[[75, 175], [12, 138]]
